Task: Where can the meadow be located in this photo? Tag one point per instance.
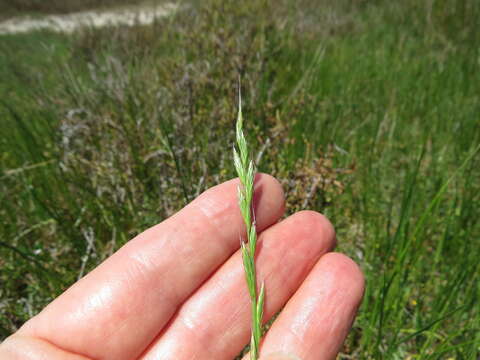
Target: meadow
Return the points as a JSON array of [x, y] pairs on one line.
[[367, 111]]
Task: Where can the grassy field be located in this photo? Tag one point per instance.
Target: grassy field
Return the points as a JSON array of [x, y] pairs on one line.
[[368, 111]]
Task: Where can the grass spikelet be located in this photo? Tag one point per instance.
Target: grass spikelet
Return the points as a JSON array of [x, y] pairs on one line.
[[246, 172]]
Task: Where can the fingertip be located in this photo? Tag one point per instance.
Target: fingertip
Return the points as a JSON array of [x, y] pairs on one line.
[[313, 224], [347, 274], [269, 195]]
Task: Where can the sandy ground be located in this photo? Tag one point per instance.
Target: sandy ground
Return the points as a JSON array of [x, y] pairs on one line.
[[72, 22]]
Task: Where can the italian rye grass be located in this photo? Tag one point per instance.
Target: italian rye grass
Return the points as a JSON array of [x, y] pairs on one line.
[[246, 172]]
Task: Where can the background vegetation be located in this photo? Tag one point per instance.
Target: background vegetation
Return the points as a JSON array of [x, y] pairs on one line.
[[366, 110]]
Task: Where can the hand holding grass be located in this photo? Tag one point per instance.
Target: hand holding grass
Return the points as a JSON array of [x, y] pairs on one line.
[[177, 291]]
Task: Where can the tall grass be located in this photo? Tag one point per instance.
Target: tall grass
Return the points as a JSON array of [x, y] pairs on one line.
[[366, 111]]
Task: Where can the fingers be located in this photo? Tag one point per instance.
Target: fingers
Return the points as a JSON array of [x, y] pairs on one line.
[[119, 308], [23, 348], [316, 320], [215, 322]]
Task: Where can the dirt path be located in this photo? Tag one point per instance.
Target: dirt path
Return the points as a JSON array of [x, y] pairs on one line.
[[72, 22]]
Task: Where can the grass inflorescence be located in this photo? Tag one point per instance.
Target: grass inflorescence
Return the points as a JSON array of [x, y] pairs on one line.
[[246, 172]]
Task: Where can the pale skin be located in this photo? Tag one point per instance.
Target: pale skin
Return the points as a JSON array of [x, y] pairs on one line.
[[177, 291]]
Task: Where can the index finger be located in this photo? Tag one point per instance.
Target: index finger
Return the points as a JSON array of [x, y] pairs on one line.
[[119, 308]]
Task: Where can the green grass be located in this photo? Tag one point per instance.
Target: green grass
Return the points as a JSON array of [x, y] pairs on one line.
[[368, 112]]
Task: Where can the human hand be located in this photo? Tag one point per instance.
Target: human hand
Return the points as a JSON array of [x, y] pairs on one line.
[[177, 291]]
